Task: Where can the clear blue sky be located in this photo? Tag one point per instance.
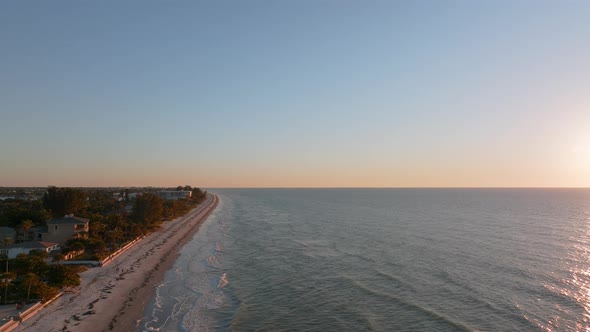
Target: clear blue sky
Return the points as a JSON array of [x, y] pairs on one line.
[[295, 93]]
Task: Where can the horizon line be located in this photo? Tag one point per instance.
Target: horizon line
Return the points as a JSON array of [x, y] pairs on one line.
[[330, 187]]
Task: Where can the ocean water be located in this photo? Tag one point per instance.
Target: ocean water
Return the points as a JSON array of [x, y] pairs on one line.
[[383, 260]]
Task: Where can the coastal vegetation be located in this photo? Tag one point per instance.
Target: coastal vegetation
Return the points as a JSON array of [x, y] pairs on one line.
[[117, 216]]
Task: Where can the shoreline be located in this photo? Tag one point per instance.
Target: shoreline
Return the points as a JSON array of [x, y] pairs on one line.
[[114, 297]]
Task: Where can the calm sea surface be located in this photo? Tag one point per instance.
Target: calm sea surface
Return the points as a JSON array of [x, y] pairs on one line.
[[383, 260]]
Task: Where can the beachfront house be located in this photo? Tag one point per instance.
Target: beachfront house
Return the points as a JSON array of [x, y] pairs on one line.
[[26, 247], [30, 234], [62, 229], [175, 194]]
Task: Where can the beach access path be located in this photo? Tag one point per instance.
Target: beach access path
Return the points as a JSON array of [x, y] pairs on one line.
[[114, 297]]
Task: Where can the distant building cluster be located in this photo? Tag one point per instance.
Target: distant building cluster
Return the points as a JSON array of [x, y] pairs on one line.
[[21, 193], [175, 194]]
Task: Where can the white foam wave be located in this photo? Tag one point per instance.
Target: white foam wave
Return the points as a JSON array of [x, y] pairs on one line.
[[213, 261], [222, 281], [218, 246]]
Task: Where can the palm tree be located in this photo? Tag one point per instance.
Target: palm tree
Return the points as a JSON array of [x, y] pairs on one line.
[[7, 277], [30, 280]]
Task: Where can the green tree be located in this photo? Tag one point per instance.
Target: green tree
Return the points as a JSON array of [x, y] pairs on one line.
[[197, 192], [43, 291], [94, 245], [97, 228], [74, 244], [12, 212], [24, 263], [148, 209], [62, 276], [62, 201], [23, 287], [198, 195]]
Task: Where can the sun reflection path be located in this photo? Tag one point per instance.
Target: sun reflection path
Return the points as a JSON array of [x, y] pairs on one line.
[[573, 314], [579, 285]]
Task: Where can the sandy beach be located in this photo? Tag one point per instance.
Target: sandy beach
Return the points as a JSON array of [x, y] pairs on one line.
[[113, 297]]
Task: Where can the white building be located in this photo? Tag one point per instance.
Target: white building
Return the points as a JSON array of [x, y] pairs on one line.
[[175, 194], [26, 248]]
